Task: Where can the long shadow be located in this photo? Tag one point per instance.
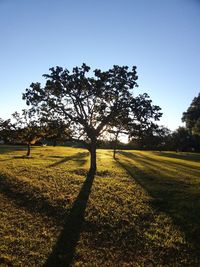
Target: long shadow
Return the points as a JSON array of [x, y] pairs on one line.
[[183, 155], [184, 166], [64, 249], [176, 198], [10, 148], [25, 196], [79, 157]]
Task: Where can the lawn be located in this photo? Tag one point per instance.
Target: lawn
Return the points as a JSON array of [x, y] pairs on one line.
[[142, 209]]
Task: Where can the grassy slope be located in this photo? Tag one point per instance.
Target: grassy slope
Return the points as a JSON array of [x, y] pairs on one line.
[[141, 210]]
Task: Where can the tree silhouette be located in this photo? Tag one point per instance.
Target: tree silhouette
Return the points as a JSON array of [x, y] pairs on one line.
[[182, 140], [152, 138], [55, 128], [26, 128], [91, 104], [192, 116], [6, 130]]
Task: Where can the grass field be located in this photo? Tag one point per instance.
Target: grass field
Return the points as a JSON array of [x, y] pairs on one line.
[[141, 210]]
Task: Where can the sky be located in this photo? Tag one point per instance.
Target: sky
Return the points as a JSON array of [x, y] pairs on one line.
[[160, 37]]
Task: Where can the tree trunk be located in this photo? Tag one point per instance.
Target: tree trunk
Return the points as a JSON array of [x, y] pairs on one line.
[[115, 145], [54, 142], [28, 150], [93, 157], [114, 152]]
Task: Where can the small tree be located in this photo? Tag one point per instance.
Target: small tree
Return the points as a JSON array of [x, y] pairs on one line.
[[6, 130], [27, 128], [115, 138], [56, 129], [142, 126], [116, 129], [90, 104]]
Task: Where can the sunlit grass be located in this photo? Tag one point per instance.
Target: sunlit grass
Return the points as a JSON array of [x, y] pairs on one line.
[[173, 180], [141, 210]]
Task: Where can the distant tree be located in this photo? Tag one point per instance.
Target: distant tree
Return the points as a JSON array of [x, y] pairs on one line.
[[163, 138], [27, 128], [153, 137], [192, 116], [89, 103], [115, 133], [182, 140], [116, 129], [142, 125], [6, 130], [56, 129], [138, 123]]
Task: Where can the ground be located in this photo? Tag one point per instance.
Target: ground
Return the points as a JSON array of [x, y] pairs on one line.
[[142, 209]]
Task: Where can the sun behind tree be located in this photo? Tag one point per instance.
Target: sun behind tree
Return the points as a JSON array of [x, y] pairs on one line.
[[92, 104]]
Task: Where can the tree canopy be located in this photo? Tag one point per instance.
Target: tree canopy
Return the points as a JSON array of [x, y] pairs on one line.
[[27, 128], [93, 104], [192, 116], [55, 128]]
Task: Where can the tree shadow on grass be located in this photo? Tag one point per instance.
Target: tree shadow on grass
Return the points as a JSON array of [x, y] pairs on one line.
[[175, 197], [10, 148], [185, 166], [64, 249], [180, 155], [6, 149], [78, 157], [24, 195]]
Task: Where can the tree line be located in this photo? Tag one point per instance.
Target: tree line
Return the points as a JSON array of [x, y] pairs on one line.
[[95, 110]]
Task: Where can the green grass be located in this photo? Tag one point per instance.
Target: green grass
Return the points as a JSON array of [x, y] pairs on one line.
[[141, 210]]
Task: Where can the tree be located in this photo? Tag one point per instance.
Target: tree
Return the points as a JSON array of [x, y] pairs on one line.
[[116, 128], [55, 129], [143, 115], [27, 128], [90, 104], [162, 138], [196, 128], [182, 140], [153, 137], [139, 122], [115, 138], [192, 116], [6, 130]]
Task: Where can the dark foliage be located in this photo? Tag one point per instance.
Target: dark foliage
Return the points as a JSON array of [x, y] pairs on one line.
[[93, 104], [192, 116]]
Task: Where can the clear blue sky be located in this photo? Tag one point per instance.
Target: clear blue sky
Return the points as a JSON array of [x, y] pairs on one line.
[[160, 37]]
